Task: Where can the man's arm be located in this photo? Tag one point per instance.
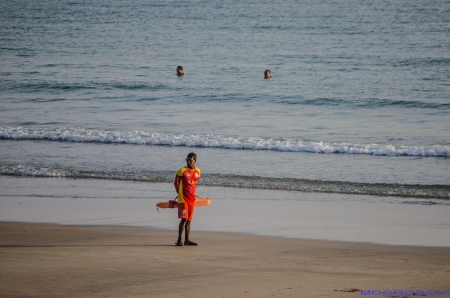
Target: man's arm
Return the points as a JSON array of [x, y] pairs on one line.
[[176, 183]]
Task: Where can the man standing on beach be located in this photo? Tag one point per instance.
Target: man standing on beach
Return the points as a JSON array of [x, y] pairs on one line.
[[185, 184]]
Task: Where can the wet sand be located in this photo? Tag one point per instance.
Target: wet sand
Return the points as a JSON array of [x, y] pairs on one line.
[[288, 214], [48, 260]]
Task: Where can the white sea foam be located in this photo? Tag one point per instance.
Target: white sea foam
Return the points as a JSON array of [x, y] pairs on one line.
[[227, 142], [239, 181]]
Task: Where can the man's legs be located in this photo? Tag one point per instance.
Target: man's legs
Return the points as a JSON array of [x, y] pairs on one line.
[[182, 227], [186, 226], [186, 213], [187, 230]]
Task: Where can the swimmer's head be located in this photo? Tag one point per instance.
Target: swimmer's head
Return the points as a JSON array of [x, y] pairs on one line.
[[267, 74], [180, 70]]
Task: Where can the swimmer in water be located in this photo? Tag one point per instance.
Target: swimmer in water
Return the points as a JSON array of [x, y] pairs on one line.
[[267, 74], [180, 71]]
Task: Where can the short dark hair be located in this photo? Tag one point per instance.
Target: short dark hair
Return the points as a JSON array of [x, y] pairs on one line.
[[192, 155]]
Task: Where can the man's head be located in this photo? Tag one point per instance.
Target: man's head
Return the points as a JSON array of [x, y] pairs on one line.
[[267, 74], [191, 159], [180, 71]]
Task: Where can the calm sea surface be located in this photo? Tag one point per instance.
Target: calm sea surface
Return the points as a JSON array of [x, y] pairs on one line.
[[358, 102]]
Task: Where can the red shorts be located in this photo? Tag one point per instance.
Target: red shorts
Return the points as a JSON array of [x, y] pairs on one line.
[[186, 210]]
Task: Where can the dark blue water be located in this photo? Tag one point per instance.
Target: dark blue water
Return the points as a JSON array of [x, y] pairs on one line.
[[358, 101]]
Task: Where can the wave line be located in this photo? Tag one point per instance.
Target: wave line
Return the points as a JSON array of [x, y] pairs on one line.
[[217, 141], [241, 181]]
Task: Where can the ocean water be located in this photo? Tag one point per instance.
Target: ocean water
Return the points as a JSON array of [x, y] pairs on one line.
[[358, 103]]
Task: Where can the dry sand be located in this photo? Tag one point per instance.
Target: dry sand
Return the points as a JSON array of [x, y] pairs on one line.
[[46, 260]]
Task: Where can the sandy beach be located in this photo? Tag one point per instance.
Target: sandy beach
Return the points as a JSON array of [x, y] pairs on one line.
[[288, 214], [47, 260], [100, 238]]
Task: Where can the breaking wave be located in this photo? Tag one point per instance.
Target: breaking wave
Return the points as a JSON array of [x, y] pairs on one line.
[[243, 181], [217, 141]]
